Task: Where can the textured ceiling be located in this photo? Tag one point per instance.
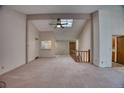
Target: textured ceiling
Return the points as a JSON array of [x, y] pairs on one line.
[[39, 9], [66, 33]]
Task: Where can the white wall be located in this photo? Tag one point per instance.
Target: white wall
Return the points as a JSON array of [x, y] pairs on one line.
[[62, 47], [85, 37], [95, 38], [106, 22], [12, 39], [47, 35], [111, 22], [1, 43], [33, 44]]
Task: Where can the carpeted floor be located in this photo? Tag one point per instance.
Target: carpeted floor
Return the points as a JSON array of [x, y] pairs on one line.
[[120, 69], [62, 72], [117, 65]]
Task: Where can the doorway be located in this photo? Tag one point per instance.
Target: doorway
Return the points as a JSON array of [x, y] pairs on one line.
[[117, 51], [72, 46]]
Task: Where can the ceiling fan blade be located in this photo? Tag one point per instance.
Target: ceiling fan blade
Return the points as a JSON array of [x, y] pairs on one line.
[[62, 26], [52, 24]]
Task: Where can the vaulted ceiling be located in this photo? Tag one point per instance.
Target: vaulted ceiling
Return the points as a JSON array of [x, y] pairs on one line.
[[60, 33], [43, 24]]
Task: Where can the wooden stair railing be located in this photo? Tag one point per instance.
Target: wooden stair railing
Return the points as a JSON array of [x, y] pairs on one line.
[[81, 56]]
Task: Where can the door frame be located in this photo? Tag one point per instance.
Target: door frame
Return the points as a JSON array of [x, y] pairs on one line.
[[116, 45]]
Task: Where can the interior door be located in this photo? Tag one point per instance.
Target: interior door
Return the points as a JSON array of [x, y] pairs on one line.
[[120, 50], [72, 46]]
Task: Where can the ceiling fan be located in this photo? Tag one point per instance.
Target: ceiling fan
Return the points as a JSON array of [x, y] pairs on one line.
[[58, 23]]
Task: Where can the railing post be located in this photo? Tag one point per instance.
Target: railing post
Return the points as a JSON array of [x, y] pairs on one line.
[[89, 55]]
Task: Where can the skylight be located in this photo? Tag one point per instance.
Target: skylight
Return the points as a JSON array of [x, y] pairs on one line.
[[67, 22]]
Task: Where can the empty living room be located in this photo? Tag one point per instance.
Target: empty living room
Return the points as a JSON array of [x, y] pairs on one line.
[[61, 46]]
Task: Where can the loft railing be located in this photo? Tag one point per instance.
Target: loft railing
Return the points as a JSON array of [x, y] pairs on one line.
[[81, 56]]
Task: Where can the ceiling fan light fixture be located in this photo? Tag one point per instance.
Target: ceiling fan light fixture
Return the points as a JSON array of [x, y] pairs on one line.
[[58, 26]]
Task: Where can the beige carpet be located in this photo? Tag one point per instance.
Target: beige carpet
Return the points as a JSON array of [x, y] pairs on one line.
[[120, 69], [117, 65], [62, 72]]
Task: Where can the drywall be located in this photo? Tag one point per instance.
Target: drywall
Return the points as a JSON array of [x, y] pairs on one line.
[[62, 47], [33, 42], [1, 43], [111, 22], [47, 35], [90, 35], [12, 39], [95, 37], [85, 37]]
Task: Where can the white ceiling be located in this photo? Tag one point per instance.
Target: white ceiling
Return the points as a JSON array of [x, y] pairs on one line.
[[68, 33], [39, 9], [43, 25]]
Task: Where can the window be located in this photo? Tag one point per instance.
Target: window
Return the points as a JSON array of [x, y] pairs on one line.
[[66, 23], [46, 44]]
